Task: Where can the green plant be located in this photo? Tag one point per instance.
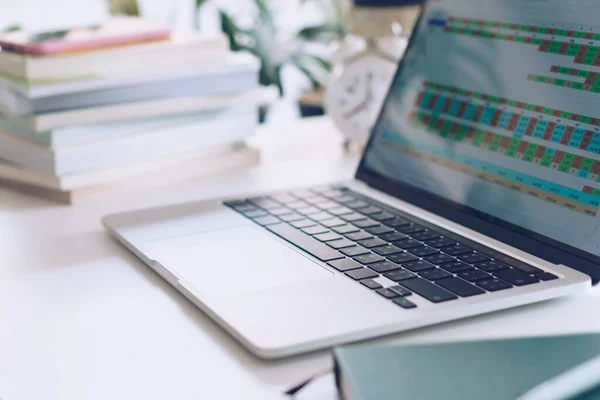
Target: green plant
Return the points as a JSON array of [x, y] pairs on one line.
[[124, 7], [264, 40], [12, 28]]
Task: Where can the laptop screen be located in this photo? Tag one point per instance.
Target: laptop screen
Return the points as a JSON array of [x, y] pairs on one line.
[[496, 109]]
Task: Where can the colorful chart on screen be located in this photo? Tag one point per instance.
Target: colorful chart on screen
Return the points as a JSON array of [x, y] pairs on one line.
[[497, 106]]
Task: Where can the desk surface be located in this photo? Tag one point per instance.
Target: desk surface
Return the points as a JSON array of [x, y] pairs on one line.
[[81, 318]]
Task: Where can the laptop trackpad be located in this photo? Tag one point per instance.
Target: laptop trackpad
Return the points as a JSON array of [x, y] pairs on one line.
[[234, 261]]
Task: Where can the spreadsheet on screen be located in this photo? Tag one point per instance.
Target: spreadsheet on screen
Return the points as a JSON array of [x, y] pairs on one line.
[[497, 107]]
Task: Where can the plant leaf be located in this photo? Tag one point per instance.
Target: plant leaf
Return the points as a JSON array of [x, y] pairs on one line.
[[325, 32], [12, 28]]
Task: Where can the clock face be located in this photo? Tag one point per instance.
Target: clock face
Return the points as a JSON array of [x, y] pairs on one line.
[[356, 95]]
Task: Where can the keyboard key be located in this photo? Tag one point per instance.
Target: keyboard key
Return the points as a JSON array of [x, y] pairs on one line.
[[384, 266], [340, 211], [315, 230], [387, 250], [441, 242], [435, 274], [400, 290], [354, 251], [371, 284], [493, 285], [353, 217], [327, 205], [255, 213], [521, 266], [304, 242], [418, 265], [396, 222], [298, 204], [516, 277], [364, 273], [331, 192], [357, 204], [404, 303], [439, 259], [340, 244], [428, 290], [327, 237], [309, 210], [457, 250], [546, 276], [344, 199], [303, 223], [456, 267], [291, 217], [366, 223], [401, 258], [359, 236], [473, 258], [393, 236], [423, 251], [320, 216], [474, 275], [345, 264], [379, 230], [316, 199], [370, 243], [370, 210], [332, 222], [266, 203], [268, 220], [408, 244], [281, 211], [382, 216], [369, 258], [343, 229], [410, 228], [399, 275], [425, 235], [240, 205], [491, 266], [460, 287], [388, 294]]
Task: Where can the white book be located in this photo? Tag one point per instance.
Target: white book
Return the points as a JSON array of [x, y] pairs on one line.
[[77, 135], [129, 179], [112, 62], [143, 109], [228, 126]]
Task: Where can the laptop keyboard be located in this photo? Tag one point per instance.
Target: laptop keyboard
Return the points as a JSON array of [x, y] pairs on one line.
[[366, 240]]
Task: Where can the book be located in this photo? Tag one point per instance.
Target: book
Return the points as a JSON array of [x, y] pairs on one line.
[[207, 129], [139, 110], [548, 368], [187, 49], [117, 31], [130, 179], [76, 135], [235, 73]]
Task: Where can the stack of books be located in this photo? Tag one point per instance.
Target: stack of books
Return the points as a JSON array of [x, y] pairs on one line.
[[124, 104]]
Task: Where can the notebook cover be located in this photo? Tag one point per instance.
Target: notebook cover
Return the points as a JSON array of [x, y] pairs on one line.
[[491, 370]]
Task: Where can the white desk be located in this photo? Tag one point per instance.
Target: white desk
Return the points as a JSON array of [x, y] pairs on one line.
[[81, 318]]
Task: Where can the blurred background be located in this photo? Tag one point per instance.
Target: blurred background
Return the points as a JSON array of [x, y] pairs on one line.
[[191, 90], [294, 75]]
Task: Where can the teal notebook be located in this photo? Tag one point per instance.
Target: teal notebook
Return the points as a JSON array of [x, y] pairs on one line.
[[551, 368]]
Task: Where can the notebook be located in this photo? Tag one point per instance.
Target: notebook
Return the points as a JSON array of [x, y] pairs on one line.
[[549, 368]]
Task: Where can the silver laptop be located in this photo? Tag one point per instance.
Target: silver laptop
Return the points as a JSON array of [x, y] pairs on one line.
[[479, 190]]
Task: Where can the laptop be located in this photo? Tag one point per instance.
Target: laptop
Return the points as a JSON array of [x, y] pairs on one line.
[[479, 190]]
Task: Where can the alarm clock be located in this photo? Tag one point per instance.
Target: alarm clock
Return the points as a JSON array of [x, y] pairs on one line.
[[364, 67]]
